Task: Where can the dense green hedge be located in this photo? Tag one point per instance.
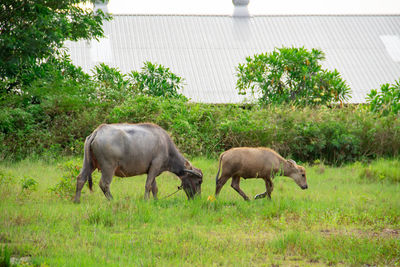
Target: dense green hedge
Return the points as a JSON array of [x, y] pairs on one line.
[[333, 135]]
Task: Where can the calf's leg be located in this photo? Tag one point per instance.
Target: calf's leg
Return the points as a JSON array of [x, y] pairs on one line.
[[269, 187], [220, 183], [235, 185]]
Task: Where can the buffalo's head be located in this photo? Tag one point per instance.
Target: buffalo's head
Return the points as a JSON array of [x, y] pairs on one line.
[[191, 181]]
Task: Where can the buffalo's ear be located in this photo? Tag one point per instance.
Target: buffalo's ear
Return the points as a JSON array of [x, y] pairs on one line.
[[188, 165], [200, 175], [292, 162]]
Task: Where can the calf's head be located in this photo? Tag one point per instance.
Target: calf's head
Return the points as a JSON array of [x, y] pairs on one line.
[[297, 173], [192, 179]]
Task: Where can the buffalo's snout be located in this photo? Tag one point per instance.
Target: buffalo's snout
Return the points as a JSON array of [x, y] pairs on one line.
[[192, 187], [304, 187], [192, 192], [191, 182]]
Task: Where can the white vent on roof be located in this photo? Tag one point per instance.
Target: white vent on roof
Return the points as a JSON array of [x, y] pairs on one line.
[[101, 4], [392, 45], [240, 8]]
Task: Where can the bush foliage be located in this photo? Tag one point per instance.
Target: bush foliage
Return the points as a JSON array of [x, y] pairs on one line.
[[291, 76], [335, 135], [52, 116], [387, 100]]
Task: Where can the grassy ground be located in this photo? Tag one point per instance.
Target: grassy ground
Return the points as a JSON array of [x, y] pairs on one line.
[[346, 217]]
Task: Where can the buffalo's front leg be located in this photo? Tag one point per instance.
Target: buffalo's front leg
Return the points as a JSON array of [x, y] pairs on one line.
[[154, 189], [150, 182], [235, 185], [105, 181]]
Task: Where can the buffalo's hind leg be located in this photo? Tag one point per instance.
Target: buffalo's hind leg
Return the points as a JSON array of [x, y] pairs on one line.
[[105, 181], [80, 182], [235, 185], [86, 173]]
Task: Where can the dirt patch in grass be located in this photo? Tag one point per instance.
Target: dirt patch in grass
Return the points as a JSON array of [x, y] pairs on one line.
[[384, 233], [4, 238], [320, 169], [24, 261]]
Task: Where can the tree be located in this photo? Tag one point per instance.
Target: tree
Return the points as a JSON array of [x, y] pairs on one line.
[[156, 80], [32, 31], [291, 75]]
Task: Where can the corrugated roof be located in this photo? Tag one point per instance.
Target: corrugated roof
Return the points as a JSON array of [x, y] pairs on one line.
[[205, 50]]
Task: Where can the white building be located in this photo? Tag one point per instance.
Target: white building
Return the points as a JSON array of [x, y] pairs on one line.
[[206, 49]]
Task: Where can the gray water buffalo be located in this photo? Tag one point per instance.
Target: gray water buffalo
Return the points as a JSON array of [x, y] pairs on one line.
[[132, 149], [249, 162]]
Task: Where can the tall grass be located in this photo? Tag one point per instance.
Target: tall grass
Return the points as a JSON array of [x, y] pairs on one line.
[[341, 219]]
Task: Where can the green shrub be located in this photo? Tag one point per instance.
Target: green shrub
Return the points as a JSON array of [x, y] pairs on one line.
[[387, 101], [66, 186], [291, 75], [59, 105], [111, 84]]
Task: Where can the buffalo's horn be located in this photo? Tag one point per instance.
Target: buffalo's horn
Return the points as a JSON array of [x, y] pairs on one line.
[[193, 172]]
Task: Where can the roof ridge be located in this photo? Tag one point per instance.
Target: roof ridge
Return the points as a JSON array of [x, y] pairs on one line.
[[255, 16]]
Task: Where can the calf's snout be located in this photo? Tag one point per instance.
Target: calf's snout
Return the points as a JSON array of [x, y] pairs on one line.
[[304, 187]]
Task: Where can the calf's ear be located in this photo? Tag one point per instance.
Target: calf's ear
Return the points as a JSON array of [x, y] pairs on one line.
[[292, 162]]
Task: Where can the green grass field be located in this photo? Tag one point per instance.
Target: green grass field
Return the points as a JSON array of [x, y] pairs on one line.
[[348, 216]]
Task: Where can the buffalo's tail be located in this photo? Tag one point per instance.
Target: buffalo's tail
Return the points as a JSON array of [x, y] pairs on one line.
[[88, 161], [219, 168]]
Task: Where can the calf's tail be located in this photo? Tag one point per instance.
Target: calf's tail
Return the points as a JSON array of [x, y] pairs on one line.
[[88, 161], [219, 168]]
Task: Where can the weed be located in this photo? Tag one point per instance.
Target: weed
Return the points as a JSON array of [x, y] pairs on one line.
[[101, 217], [5, 257], [28, 184], [381, 171], [6, 178]]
